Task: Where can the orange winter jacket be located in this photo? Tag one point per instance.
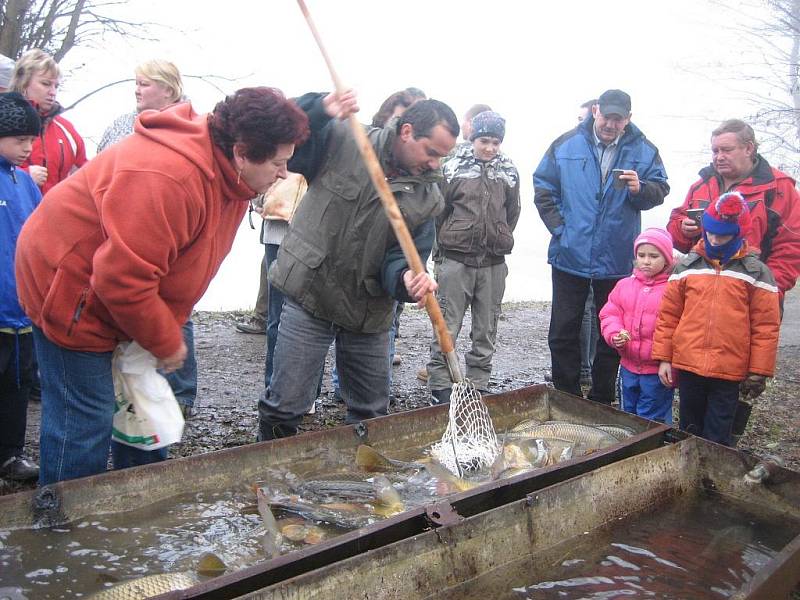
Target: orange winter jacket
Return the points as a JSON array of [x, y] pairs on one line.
[[125, 247], [719, 322]]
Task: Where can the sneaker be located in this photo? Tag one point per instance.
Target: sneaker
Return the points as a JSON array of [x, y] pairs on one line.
[[255, 325], [396, 360], [422, 374], [17, 468], [313, 409], [187, 410], [440, 396]]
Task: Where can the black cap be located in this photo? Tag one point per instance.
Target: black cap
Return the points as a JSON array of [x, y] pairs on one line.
[[615, 102], [17, 116]]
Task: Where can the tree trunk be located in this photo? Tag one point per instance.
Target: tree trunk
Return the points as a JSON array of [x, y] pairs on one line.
[[11, 26]]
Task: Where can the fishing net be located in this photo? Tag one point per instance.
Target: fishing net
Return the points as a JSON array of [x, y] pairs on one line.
[[469, 443]]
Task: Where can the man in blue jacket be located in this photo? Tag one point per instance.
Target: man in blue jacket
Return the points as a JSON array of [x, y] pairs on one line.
[[590, 189]]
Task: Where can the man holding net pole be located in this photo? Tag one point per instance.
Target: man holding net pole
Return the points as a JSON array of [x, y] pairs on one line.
[[340, 267]]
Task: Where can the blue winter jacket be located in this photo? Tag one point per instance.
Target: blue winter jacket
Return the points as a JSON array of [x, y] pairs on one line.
[[593, 226], [18, 197]]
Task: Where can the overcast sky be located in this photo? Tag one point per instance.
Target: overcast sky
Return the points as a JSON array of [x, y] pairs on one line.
[[534, 62]]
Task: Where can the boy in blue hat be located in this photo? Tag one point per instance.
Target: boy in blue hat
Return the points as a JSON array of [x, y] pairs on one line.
[[474, 234], [718, 323], [19, 196]]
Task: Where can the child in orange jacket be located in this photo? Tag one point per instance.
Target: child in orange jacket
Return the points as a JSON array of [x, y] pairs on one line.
[[718, 323]]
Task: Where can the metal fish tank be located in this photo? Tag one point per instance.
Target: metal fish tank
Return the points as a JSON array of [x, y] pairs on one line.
[[681, 521], [155, 524]]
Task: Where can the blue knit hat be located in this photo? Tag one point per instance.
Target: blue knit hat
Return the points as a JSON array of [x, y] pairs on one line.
[[729, 215], [488, 124]]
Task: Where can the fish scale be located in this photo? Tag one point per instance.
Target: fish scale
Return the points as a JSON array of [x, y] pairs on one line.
[[573, 432], [147, 587]]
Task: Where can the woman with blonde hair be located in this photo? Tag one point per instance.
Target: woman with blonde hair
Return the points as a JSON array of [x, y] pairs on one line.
[[158, 85], [59, 151]]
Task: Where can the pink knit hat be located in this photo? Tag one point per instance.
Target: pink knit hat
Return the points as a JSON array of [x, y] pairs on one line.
[[660, 238]]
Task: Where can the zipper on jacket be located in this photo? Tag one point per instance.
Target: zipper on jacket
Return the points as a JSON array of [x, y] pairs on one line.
[[78, 310], [63, 159]]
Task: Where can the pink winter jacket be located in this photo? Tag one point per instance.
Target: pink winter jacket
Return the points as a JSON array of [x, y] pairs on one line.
[[633, 306]]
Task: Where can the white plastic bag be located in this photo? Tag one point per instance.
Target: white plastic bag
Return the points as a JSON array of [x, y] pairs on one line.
[[147, 415]]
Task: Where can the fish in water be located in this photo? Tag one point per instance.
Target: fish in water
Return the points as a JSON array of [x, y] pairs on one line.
[[587, 436], [272, 539], [525, 425], [618, 431], [380, 492], [450, 483], [345, 519], [352, 491], [387, 500], [147, 587], [369, 459], [208, 565]]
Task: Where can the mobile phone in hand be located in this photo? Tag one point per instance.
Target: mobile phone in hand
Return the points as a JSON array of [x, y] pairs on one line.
[[695, 214], [618, 183]]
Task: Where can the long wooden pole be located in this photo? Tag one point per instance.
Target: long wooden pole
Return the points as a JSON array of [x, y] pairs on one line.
[[392, 211]]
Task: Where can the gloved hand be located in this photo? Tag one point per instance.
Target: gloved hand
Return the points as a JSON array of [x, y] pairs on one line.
[[753, 386]]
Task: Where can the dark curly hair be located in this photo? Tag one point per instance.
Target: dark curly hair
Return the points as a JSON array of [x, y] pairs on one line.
[[260, 119]]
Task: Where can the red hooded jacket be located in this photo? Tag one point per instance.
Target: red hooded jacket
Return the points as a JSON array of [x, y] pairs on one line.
[[59, 148], [126, 247]]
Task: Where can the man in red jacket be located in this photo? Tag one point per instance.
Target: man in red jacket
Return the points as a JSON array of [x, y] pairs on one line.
[[771, 196]]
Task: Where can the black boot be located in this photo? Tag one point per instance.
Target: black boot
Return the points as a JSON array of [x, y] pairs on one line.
[[440, 396], [17, 468]]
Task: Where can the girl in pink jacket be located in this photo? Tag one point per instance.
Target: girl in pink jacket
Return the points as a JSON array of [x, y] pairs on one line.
[[628, 322]]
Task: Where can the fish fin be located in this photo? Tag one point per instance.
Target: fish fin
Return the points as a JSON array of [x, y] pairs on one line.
[[370, 460], [210, 565]]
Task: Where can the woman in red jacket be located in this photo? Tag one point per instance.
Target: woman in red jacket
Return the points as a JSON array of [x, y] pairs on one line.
[[59, 151], [126, 247]]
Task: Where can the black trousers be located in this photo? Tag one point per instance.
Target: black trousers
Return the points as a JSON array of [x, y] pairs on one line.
[[569, 299], [707, 406], [16, 369]]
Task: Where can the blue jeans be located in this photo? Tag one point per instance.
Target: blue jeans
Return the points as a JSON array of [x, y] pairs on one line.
[[646, 396], [184, 381], [274, 308], [362, 361], [77, 413]]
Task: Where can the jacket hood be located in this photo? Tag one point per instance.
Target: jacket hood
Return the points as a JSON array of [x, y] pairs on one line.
[[182, 130]]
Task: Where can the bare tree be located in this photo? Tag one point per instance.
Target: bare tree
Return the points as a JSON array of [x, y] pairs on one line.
[[57, 26], [765, 74]]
